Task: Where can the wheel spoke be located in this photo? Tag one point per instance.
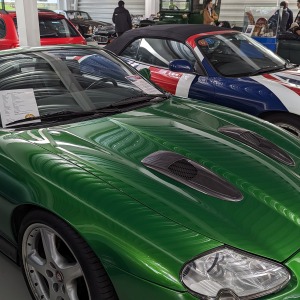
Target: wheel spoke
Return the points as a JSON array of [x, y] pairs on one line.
[[69, 271], [36, 261], [72, 272], [71, 290], [50, 249]]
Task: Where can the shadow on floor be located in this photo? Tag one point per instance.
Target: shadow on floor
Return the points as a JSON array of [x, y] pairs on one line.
[[12, 284]]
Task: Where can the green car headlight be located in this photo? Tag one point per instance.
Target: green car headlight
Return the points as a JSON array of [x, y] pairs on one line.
[[225, 271]]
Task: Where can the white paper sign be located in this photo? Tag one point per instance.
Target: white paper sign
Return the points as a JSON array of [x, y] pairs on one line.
[[143, 85], [17, 105]]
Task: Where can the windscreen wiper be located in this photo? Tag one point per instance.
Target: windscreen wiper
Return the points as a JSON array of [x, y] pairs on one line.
[[138, 99], [289, 65], [267, 69], [61, 115]]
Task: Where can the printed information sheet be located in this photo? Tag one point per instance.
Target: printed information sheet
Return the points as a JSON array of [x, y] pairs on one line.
[[17, 105]]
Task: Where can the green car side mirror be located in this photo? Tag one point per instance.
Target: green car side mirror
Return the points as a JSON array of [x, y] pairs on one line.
[[145, 73]]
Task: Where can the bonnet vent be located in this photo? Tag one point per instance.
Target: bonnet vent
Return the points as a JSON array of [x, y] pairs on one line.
[[258, 142], [191, 174]]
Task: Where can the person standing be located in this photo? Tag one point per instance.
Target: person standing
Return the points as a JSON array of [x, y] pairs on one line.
[[209, 14], [284, 18], [291, 17], [121, 18], [297, 19]]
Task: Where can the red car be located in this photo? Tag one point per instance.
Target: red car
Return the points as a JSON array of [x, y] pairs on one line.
[[54, 29]]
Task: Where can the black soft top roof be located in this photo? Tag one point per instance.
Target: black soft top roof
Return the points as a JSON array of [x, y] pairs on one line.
[[178, 32]]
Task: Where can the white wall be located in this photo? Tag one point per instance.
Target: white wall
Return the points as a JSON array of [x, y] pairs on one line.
[[103, 9], [151, 7]]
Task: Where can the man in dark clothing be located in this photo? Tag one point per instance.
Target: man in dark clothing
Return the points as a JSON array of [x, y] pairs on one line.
[[291, 17], [297, 19], [285, 18], [121, 19]]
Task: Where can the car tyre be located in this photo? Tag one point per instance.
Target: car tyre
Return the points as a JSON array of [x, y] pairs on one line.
[[57, 263], [289, 122]]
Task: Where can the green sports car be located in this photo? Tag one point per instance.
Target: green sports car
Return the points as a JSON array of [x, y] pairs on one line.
[[112, 189]]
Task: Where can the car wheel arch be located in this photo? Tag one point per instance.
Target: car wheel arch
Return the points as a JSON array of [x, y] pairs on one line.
[[265, 114], [281, 117], [21, 211], [18, 215]]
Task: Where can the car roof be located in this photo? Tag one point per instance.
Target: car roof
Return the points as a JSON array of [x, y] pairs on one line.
[[178, 32], [75, 10], [34, 49], [44, 14]]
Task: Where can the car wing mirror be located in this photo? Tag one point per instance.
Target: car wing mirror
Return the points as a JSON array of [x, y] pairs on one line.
[[145, 73], [181, 65]]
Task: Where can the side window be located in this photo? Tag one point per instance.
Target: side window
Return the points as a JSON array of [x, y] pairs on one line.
[[2, 29], [160, 52], [182, 51], [132, 49]]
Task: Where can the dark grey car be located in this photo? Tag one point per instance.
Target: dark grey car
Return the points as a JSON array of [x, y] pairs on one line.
[[101, 32]]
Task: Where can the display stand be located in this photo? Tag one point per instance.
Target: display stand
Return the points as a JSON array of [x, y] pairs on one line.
[[269, 42], [262, 23]]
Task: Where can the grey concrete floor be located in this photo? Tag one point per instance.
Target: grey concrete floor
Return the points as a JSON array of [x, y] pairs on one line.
[[12, 284]]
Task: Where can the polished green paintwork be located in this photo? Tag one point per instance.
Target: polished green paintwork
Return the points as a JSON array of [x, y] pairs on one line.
[[138, 221]]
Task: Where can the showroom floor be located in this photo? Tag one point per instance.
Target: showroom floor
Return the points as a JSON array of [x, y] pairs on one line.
[[12, 285]]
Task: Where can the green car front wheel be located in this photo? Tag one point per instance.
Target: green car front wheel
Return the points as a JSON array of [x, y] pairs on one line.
[[57, 263]]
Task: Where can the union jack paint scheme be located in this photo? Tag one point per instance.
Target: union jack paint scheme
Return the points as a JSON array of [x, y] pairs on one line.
[[218, 65]]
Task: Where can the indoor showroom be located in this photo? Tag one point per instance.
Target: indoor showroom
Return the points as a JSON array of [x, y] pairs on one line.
[[149, 149]]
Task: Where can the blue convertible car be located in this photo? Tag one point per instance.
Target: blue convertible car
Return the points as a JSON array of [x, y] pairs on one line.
[[218, 65]]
